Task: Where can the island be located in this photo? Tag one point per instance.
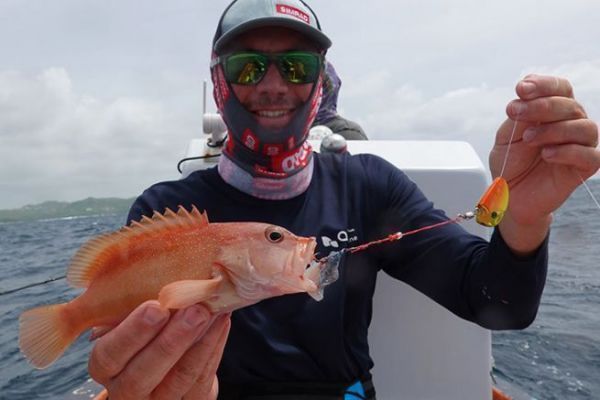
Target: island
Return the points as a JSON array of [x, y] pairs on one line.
[[62, 209]]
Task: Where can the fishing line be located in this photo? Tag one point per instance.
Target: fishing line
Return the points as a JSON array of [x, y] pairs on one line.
[[32, 285], [583, 182], [397, 236], [512, 135], [585, 185]]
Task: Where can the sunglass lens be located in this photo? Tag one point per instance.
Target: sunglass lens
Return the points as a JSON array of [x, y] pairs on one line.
[[245, 68], [300, 67]]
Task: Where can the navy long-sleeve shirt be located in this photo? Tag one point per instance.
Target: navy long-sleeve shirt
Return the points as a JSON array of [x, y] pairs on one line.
[[353, 199]]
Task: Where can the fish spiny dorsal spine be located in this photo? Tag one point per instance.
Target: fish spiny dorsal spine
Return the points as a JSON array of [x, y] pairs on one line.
[[89, 261]]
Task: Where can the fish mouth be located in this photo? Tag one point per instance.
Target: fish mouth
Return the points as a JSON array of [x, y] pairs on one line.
[[298, 276], [312, 272]]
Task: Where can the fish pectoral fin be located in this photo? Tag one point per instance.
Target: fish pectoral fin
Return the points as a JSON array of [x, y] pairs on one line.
[[183, 294]]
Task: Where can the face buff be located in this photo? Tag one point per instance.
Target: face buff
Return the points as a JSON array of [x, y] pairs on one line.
[[267, 164]]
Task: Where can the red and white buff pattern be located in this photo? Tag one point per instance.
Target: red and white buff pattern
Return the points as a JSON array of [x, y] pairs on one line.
[[264, 187], [264, 163]]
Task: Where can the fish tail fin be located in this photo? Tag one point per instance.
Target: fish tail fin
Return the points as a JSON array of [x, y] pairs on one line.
[[45, 333]]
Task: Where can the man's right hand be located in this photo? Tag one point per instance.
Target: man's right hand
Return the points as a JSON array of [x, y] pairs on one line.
[[155, 355]]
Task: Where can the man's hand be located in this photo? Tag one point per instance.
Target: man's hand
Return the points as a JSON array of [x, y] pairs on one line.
[[553, 149], [155, 355]]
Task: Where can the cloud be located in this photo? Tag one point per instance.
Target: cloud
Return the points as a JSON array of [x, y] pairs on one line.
[[61, 145], [405, 112], [400, 110]]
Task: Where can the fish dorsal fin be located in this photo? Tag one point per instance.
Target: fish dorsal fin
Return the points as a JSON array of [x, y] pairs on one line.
[[100, 252]]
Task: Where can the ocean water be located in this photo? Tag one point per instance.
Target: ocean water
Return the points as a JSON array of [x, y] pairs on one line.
[[558, 357]]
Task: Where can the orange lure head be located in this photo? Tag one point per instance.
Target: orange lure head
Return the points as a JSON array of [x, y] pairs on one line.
[[493, 203]]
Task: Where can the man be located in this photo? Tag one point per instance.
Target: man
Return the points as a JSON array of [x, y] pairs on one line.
[[267, 70], [328, 115]]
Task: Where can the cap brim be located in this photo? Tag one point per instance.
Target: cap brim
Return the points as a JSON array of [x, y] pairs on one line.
[[317, 36]]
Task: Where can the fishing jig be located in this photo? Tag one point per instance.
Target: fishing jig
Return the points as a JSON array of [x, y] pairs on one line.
[[493, 203]]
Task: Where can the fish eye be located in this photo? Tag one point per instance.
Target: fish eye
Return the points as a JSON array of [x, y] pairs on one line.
[[494, 215], [274, 235]]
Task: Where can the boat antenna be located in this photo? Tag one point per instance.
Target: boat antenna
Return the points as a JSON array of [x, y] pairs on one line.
[[204, 97]]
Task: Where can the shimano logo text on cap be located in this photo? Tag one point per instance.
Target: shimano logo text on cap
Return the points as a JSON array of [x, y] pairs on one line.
[[294, 12]]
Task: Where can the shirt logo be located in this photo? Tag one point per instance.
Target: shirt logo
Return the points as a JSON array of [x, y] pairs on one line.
[[342, 239], [293, 12]]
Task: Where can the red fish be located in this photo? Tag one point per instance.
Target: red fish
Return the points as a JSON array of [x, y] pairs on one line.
[[178, 258]]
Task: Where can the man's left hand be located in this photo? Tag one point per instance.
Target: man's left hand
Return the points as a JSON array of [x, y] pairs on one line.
[[554, 147]]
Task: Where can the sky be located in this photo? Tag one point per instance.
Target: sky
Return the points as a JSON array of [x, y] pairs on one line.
[[102, 98]]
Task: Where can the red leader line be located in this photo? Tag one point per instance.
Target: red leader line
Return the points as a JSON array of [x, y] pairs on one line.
[[399, 235]]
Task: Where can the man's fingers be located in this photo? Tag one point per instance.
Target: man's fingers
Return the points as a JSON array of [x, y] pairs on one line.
[[534, 86], [210, 350], [162, 353], [581, 131], [583, 158], [221, 333], [214, 390], [190, 366], [545, 109], [113, 351]]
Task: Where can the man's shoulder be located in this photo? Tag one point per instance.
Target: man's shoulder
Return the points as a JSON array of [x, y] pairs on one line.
[[348, 129], [354, 161], [356, 169], [198, 177], [173, 193]]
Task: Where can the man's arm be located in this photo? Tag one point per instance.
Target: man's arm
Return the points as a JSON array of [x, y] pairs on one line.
[[482, 282]]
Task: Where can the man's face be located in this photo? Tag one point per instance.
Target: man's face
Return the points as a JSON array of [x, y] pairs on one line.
[[273, 101]]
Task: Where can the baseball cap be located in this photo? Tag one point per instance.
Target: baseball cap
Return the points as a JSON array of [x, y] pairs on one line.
[[244, 15]]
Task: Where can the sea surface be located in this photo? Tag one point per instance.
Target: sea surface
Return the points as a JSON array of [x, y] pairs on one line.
[[558, 357]]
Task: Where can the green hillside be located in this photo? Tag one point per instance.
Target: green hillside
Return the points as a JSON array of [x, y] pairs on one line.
[[61, 209]]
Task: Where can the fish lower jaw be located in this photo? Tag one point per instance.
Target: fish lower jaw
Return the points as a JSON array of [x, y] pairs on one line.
[[271, 290], [254, 292]]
